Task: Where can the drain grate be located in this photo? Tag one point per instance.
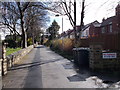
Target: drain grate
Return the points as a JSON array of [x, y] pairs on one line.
[[75, 78]]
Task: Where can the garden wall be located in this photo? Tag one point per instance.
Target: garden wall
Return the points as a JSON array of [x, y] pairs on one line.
[[15, 57], [104, 60]]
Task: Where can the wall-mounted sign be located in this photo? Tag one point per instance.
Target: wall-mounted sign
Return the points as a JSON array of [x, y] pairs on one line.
[[109, 55]]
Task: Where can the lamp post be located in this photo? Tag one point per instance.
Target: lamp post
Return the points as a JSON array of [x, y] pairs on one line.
[[62, 30]]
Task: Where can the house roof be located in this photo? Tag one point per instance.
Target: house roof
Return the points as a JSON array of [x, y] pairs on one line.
[[63, 34], [107, 21], [95, 24], [70, 31], [85, 27]]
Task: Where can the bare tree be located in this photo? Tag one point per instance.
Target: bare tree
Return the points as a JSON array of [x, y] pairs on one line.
[[19, 10], [35, 19], [69, 9], [9, 18]]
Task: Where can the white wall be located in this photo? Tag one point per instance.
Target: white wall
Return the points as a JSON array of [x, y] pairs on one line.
[[85, 33]]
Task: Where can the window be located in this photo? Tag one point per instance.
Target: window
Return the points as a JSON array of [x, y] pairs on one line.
[[87, 32], [110, 28], [103, 29]]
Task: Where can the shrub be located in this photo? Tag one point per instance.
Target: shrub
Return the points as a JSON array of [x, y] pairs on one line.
[[55, 44], [62, 44], [45, 41], [68, 44], [13, 41], [29, 41]]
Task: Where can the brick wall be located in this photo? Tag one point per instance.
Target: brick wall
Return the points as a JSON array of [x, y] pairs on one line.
[[95, 56], [98, 62]]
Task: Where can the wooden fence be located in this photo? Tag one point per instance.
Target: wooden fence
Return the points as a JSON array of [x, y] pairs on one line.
[[110, 41]]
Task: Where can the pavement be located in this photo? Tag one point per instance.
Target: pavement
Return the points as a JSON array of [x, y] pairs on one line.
[[42, 68]]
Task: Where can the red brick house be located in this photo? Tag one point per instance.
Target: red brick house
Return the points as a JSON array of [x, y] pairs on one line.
[[94, 29], [110, 25], [108, 33]]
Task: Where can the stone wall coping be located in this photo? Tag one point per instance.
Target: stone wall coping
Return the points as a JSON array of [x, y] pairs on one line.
[[18, 52]]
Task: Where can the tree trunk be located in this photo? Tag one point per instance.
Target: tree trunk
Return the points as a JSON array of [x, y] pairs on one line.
[[33, 38], [82, 17], [24, 35], [75, 32], [24, 45]]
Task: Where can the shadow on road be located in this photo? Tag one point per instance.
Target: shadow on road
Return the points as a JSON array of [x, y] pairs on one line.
[[34, 75], [22, 66], [28, 65]]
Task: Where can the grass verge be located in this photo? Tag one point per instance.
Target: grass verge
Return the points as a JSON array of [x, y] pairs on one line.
[[11, 50]]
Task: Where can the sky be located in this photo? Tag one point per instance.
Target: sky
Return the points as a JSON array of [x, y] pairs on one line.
[[95, 10]]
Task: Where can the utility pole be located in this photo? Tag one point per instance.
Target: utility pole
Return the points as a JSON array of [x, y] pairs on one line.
[[62, 38], [62, 31], [82, 13]]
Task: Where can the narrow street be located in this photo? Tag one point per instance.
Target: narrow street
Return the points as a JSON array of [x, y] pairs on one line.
[[60, 44], [42, 68]]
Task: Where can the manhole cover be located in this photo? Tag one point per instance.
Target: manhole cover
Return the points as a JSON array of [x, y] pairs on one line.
[[68, 66], [75, 78]]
